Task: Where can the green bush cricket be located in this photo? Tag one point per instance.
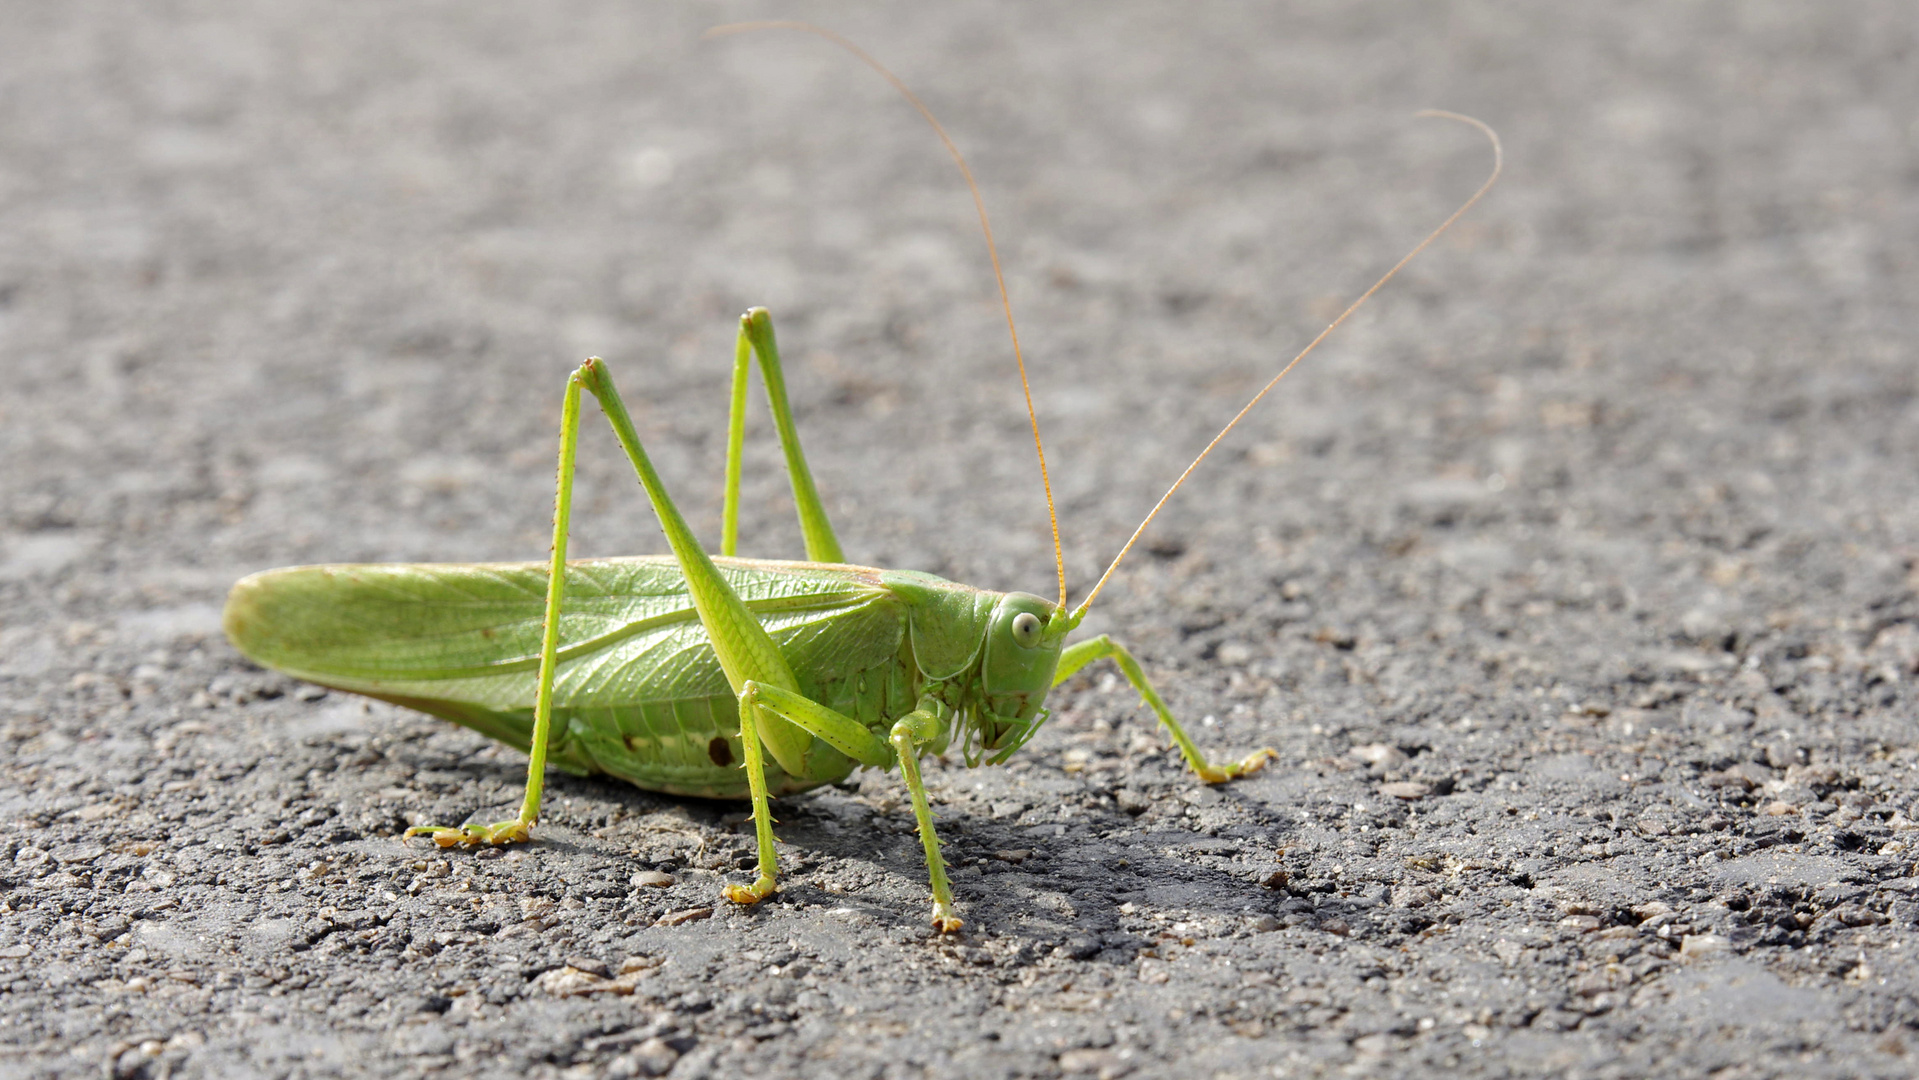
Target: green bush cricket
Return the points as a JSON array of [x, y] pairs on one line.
[[717, 677]]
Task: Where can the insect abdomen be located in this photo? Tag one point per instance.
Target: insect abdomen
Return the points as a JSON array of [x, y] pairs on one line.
[[691, 746]]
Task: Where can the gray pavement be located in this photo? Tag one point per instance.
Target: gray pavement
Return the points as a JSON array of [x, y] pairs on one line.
[[1574, 582]]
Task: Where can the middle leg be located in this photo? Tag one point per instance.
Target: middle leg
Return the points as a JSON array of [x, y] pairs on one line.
[[838, 730]]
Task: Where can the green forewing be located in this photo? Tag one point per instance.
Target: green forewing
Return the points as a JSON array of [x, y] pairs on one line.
[[638, 691]]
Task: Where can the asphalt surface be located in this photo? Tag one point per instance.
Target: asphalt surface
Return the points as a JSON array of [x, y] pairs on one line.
[[1574, 582]]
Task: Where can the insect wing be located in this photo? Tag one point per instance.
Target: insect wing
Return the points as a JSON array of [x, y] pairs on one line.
[[462, 640]]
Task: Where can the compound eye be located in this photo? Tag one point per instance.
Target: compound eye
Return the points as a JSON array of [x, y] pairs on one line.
[[1026, 629]]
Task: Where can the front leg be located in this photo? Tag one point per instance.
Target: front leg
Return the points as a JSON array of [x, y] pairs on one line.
[[1101, 647]]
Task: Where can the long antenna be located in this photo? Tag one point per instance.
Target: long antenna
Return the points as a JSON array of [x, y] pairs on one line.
[[986, 226], [1498, 161]]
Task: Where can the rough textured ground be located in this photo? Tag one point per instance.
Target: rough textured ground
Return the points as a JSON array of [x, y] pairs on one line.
[[1598, 529]]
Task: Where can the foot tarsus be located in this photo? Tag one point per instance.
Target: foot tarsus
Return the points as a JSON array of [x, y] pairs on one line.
[[1247, 766], [517, 831], [944, 920], [754, 893]]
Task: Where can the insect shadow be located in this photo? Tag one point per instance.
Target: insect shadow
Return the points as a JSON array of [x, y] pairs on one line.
[[1101, 888]]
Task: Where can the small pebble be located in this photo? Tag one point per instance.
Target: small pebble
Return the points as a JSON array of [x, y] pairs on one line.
[[684, 915], [1406, 789], [653, 879], [1087, 1061], [653, 1057], [588, 965], [1080, 947], [571, 982], [1697, 946], [1412, 896], [77, 853], [1379, 755]]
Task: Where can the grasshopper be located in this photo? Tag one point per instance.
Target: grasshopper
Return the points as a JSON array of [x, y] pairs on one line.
[[714, 677]]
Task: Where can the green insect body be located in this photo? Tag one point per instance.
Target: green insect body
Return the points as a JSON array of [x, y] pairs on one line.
[[718, 677], [639, 694]]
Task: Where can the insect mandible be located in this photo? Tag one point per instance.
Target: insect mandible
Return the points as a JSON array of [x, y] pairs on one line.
[[717, 677]]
